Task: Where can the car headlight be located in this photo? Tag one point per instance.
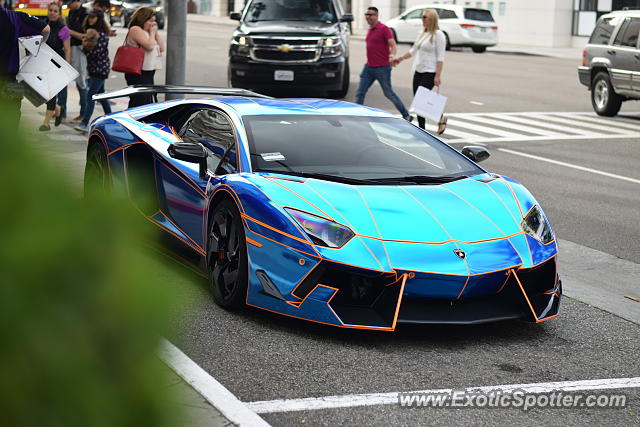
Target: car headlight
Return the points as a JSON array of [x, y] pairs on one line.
[[536, 225], [240, 45], [331, 46], [322, 231]]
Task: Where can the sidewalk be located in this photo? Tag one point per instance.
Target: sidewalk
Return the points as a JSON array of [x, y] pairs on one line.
[[501, 48], [66, 148]]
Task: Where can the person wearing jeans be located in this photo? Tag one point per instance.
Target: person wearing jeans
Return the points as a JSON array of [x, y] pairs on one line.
[[380, 47], [98, 65], [75, 21]]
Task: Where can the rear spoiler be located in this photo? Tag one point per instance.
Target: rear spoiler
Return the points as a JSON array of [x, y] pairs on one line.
[[154, 90]]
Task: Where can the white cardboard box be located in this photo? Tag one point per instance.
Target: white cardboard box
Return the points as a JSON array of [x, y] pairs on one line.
[[43, 73]]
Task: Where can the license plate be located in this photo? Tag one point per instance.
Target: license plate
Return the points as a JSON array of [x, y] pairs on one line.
[[483, 29], [283, 75]]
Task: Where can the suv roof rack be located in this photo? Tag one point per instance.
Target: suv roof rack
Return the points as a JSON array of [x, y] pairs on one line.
[[154, 90]]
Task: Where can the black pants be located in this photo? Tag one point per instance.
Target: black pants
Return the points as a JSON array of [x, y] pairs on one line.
[[146, 78], [426, 80]]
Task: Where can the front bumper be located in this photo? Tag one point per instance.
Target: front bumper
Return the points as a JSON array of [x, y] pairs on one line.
[[584, 74], [326, 74]]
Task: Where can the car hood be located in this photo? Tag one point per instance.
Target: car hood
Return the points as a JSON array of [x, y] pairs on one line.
[[305, 28], [482, 214]]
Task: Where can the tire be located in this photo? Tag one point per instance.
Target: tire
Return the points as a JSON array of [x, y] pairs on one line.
[[448, 44], [227, 256], [605, 101], [478, 49], [346, 77], [97, 177]]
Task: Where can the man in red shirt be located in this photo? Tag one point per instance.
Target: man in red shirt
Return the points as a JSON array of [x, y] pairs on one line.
[[380, 47]]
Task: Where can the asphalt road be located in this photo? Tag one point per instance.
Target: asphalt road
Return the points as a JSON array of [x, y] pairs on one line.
[[260, 356]]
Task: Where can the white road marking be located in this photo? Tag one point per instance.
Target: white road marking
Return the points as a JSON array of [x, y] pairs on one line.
[[453, 121], [476, 102], [214, 392], [513, 126], [616, 122], [331, 402], [569, 165], [579, 122]]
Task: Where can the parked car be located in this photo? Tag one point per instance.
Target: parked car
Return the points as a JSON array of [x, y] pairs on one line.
[[611, 62], [290, 45], [327, 211], [121, 11], [462, 26]]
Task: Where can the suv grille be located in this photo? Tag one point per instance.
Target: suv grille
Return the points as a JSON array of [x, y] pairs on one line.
[[285, 49]]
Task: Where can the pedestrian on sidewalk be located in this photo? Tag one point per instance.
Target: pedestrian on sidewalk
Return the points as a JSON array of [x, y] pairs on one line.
[[59, 41], [75, 21], [14, 25], [105, 7], [381, 46], [98, 64], [428, 52], [143, 33]]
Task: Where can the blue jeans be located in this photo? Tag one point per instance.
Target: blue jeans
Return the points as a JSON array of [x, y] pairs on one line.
[[83, 99], [382, 75], [95, 86]]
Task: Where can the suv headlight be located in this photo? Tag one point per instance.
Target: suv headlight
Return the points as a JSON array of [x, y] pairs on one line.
[[240, 44], [331, 46], [321, 231], [536, 225]]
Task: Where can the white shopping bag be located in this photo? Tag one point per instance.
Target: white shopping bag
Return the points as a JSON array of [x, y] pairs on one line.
[[429, 104], [43, 73]]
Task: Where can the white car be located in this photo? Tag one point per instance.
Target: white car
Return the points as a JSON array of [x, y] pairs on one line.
[[462, 26]]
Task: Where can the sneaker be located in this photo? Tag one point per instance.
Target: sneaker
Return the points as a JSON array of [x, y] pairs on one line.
[[82, 128], [409, 118], [77, 119], [57, 120], [44, 128]]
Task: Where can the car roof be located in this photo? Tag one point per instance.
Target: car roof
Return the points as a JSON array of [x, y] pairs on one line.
[[249, 106], [631, 12], [457, 7]]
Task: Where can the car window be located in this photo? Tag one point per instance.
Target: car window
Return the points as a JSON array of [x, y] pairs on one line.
[[447, 14], [385, 147], [620, 33], [478, 15], [414, 14], [214, 131], [630, 37], [602, 33]]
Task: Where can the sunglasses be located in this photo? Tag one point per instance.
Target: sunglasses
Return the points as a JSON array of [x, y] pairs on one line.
[[370, 14], [425, 17]]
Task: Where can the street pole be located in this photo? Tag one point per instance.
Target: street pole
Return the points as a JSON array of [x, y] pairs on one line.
[[176, 43]]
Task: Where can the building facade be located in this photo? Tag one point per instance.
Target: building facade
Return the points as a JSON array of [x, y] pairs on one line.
[[547, 23]]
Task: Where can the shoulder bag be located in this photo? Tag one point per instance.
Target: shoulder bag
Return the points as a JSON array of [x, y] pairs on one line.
[[128, 59]]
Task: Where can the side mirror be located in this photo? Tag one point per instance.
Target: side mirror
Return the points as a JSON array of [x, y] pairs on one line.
[[190, 152], [476, 153], [236, 16], [347, 17]]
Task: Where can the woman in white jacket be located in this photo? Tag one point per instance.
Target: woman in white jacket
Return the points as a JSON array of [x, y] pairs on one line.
[[428, 52]]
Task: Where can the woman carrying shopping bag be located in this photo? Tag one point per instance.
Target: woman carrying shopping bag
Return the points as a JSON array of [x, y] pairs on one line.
[[59, 41], [96, 47], [428, 52], [143, 33]]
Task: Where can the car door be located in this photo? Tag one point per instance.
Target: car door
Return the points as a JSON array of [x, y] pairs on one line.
[[634, 32], [186, 204], [410, 26], [622, 53]]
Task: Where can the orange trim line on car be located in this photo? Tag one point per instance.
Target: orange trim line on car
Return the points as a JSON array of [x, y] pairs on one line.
[[299, 196], [348, 224], [125, 146], [302, 280], [505, 282], [276, 230], [196, 248], [180, 229], [513, 194], [286, 246], [488, 184], [529, 302], [253, 242]]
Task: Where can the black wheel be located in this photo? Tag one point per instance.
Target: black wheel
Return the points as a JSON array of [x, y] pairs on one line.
[[605, 101], [346, 77], [478, 49], [448, 44], [97, 178], [227, 256]]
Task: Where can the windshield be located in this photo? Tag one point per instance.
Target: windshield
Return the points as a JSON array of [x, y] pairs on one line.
[[290, 10], [478, 15], [381, 149]]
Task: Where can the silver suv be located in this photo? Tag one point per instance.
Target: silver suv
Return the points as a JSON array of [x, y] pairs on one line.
[[611, 61]]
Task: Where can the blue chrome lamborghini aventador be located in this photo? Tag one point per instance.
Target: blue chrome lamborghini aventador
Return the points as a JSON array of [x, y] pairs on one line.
[[329, 211]]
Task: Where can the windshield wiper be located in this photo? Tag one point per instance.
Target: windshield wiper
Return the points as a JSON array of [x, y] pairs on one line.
[[423, 179], [326, 177]]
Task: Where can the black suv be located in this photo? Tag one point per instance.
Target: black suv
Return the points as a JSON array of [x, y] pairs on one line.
[[611, 62], [301, 44]]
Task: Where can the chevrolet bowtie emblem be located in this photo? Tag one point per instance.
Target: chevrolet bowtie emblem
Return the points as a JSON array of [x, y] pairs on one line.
[[461, 254], [284, 48]]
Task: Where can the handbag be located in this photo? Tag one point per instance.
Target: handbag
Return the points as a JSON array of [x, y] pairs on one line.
[[128, 59], [429, 104]]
